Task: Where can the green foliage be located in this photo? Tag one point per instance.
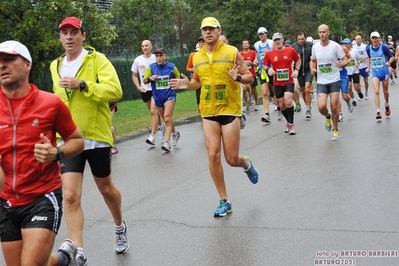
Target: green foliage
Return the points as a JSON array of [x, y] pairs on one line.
[[35, 24], [143, 20]]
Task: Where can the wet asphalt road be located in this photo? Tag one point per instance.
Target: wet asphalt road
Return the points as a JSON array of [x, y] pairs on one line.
[[317, 201]]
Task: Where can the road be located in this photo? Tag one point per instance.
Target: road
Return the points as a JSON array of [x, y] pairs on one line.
[[317, 200]]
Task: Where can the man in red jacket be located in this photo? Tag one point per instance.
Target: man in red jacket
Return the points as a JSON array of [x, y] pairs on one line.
[[31, 198]]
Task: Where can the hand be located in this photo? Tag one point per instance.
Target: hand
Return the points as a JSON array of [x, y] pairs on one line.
[[176, 84], [313, 71], [295, 74], [69, 83], [233, 72], [45, 152]]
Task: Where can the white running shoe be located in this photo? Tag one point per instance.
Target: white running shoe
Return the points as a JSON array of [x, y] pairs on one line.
[[151, 139], [70, 249], [122, 243], [162, 128], [176, 138]]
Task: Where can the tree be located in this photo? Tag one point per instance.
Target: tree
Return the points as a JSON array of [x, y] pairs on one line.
[[144, 20], [35, 24]]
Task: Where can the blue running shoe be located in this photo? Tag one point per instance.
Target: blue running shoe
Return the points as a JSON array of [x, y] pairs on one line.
[[252, 173], [223, 209]]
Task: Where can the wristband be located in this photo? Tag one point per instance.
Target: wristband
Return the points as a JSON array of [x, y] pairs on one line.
[[149, 80]]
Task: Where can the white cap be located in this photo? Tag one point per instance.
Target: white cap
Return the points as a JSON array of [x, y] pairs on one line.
[[15, 48], [309, 39], [389, 37], [374, 34], [262, 30], [277, 35]]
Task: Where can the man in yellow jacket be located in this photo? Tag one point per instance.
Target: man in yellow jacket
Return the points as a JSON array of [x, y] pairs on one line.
[[219, 68], [86, 81]]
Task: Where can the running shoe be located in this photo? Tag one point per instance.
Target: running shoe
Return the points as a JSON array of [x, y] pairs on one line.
[[114, 149], [166, 146], [292, 130], [360, 94], [354, 103], [340, 118], [308, 114], [335, 134], [287, 128], [396, 76], [252, 173], [70, 249], [392, 82], [266, 119], [243, 121], [350, 107], [151, 139], [387, 111], [162, 128], [81, 260], [366, 96], [176, 137], [122, 243], [275, 107], [256, 107], [279, 115], [298, 107], [328, 123], [247, 108], [378, 116], [223, 209]]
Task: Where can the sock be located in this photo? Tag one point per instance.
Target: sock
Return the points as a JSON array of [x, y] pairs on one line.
[[386, 104], [378, 110], [81, 252], [120, 228], [266, 113], [290, 115]]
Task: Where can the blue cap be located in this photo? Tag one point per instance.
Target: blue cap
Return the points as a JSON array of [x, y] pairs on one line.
[[346, 41]]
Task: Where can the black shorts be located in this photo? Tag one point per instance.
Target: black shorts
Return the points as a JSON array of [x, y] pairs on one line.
[[280, 90], [393, 65], [355, 78], [99, 160], [113, 106], [255, 83], [45, 212], [146, 96], [221, 119]]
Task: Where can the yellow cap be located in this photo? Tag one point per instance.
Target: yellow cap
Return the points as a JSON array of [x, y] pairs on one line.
[[210, 22]]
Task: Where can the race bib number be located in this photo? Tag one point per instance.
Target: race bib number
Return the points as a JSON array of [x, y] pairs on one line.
[[325, 68], [377, 62], [352, 64], [220, 92], [282, 74], [162, 83]]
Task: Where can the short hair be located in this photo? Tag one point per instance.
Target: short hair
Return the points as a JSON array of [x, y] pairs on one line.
[[301, 33]]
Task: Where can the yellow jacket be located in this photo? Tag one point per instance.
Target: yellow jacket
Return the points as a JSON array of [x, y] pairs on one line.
[[220, 94]]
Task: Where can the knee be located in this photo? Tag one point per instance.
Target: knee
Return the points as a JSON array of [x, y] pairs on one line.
[[232, 160], [72, 197]]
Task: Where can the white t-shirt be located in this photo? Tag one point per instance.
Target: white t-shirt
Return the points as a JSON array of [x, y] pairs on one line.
[[260, 48], [351, 66], [326, 56], [70, 68], [139, 66], [361, 50]]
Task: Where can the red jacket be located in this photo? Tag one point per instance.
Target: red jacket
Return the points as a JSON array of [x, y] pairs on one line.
[[26, 178]]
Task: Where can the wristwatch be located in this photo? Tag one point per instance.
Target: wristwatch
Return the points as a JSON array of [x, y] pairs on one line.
[[82, 86], [297, 68], [60, 154], [238, 78]]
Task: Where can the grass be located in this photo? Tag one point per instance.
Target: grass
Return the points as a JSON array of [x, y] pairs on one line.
[[134, 116]]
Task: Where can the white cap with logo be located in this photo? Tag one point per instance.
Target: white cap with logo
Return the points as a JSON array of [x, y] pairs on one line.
[[375, 34], [262, 30], [15, 48], [277, 35]]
